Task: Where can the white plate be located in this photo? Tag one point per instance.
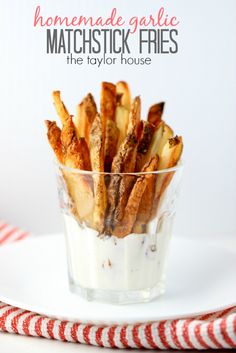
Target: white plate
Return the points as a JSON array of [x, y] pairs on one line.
[[33, 276]]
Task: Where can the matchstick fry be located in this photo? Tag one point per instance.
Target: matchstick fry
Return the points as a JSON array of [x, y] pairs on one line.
[[54, 138], [122, 120], [112, 134], [108, 101], [123, 93], [60, 107], [123, 162], [145, 207], [169, 157], [85, 115], [134, 116], [108, 114], [97, 162], [159, 138], [125, 226], [77, 157], [122, 109], [155, 113], [144, 143]]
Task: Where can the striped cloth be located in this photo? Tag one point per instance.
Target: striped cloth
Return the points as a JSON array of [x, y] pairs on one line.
[[212, 330]]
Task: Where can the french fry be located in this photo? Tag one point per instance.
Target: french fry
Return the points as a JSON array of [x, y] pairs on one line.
[[128, 154], [54, 138], [108, 101], [85, 153], [81, 194], [122, 120], [76, 156], [134, 116], [73, 155], [112, 134], [145, 207], [159, 138], [169, 157], [86, 112], [97, 162], [122, 109], [123, 162], [155, 113], [108, 112], [147, 132], [166, 135], [60, 107], [125, 226], [123, 93]]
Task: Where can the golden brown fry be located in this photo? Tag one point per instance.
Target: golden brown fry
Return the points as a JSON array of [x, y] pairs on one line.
[[155, 113], [97, 162], [123, 94], [54, 138], [145, 207], [122, 109], [112, 134], [124, 227], [110, 131], [159, 138], [144, 143], [108, 101], [86, 112], [85, 153], [134, 116], [81, 194], [60, 107], [123, 162], [76, 155], [122, 119], [169, 157]]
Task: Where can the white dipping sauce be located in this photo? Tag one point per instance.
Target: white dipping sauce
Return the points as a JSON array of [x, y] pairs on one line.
[[131, 263]]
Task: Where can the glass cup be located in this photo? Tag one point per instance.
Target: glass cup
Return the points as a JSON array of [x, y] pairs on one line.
[[117, 228]]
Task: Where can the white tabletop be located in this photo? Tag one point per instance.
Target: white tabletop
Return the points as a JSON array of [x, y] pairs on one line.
[[10, 343]]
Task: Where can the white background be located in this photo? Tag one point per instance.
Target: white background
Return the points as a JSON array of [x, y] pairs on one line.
[[198, 85]]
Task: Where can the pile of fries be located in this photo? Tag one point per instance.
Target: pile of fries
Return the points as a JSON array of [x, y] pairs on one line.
[[117, 141]]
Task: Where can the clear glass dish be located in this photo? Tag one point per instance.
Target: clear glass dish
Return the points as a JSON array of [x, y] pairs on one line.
[[117, 242]]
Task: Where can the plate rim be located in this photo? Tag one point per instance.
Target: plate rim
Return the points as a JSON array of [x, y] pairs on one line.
[[46, 312]]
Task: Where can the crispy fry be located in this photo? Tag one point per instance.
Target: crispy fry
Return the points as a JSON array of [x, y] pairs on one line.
[[144, 143], [85, 153], [125, 226], [86, 112], [112, 134], [155, 113], [169, 157], [60, 107], [123, 162], [81, 194], [73, 154], [77, 157], [159, 138], [122, 109], [122, 119], [108, 113], [123, 93], [97, 162], [54, 138], [134, 116], [145, 207], [108, 101]]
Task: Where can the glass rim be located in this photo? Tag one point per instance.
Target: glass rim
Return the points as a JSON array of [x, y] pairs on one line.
[[179, 166]]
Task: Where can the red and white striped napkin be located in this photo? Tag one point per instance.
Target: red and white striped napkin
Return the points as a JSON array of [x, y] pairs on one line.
[[212, 330]]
